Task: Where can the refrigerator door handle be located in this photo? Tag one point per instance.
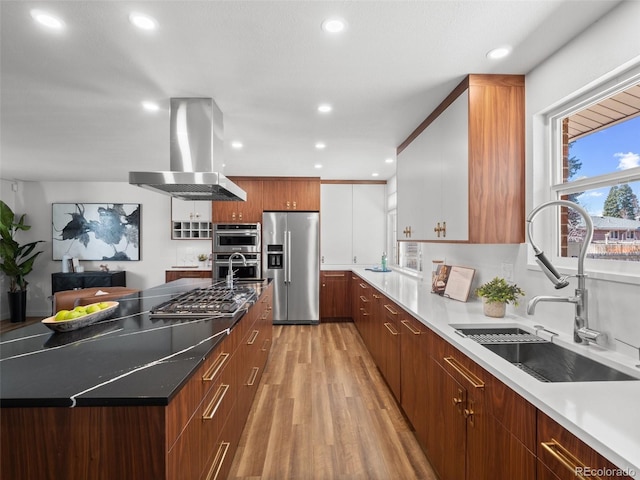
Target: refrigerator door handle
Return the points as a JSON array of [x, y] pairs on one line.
[[287, 255]]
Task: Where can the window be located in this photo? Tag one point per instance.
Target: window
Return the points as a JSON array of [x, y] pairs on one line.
[[597, 165]]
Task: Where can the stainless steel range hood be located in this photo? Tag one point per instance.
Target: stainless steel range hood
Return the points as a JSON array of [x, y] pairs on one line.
[[196, 150]]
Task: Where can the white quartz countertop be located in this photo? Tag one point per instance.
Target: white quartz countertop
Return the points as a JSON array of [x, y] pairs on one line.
[[605, 415]]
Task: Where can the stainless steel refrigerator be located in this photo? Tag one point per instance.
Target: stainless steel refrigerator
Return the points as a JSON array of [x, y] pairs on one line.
[[291, 257]]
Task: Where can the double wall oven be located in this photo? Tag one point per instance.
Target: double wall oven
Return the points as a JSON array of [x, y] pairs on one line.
[[230, 238]]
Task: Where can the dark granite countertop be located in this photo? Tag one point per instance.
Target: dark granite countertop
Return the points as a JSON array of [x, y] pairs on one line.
[[128, 359]]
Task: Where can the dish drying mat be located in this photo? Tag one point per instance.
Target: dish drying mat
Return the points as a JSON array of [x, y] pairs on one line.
[[494, 338]]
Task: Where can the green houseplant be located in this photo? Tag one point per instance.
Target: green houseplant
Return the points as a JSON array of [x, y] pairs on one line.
[[16, 260], [496, 294]]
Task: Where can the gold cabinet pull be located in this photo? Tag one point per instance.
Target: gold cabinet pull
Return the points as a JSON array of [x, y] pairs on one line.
[[567, 459], [391, 310], [459, 399], [407, 232], [341, 275], [295, 204], [388, 325], [410, 327], [462, 370], [240, 216], [265, 345], [215, 403], [254, 335], [218, 461], [363, 285], [253, 376], [376, 296], [288, 204], [364, 299], [216, 367]]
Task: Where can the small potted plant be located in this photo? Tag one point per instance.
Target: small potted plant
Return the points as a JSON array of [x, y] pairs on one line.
[[202, 258], [16, 260], [495, 296]]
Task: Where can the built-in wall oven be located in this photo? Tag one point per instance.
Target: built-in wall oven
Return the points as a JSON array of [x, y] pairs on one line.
[[240, 270], [236, 237], [230, 238]]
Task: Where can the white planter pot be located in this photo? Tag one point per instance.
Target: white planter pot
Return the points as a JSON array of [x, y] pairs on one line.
[[494, 309]]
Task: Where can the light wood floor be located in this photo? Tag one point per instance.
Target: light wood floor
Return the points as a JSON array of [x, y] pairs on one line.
[[322, 411]]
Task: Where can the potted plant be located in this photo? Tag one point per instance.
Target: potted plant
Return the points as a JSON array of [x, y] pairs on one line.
[[16, 261], [496, 294]]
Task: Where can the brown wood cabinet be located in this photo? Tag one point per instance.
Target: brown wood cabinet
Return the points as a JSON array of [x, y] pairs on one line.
[[414, 375], [335, 294], [561, 455], [249, 211], [389, 334], [470, 424], [291, 193], [194, 437], [489, 427], [171, 275]]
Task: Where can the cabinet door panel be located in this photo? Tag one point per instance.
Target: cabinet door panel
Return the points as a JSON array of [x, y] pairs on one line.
[[369, 214], [336, 225], [418, 198], [454, 144]]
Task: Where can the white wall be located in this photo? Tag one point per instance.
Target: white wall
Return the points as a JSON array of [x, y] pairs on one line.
[[601, 52], [158, 252]]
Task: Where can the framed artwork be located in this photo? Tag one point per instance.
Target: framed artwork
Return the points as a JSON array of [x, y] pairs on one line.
[[96, 231]]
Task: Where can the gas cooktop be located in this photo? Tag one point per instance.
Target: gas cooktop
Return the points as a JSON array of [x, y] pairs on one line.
[[213, 301]]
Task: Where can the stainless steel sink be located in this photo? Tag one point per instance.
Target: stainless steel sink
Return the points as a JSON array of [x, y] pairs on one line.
[[549, 362], [545, 361]]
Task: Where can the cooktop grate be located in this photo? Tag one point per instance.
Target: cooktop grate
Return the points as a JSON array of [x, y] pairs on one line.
[[203, 302]]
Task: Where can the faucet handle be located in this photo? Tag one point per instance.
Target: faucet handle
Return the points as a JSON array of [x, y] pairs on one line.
[[594, 336]]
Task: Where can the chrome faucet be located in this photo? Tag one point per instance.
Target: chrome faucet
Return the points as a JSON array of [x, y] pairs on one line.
[[230, 270], [581, 331]]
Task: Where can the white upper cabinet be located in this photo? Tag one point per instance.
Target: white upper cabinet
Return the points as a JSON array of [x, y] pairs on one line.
[[432, 179], [461, 172], [352, 223], [336, 213], [369, 220]]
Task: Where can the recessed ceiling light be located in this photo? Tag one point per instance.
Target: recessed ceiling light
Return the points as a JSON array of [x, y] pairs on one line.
[[150, 106], [324, 108], [375, 174], [237, 145], [142, 21], [389, 160], [334, 25], [317, 165], [320, 145], [498, 53], [47, 19]]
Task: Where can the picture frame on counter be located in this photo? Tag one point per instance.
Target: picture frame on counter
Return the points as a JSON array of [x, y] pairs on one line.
[[96, 231]]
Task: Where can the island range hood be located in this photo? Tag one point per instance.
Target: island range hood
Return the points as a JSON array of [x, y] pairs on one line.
[[196, 152]]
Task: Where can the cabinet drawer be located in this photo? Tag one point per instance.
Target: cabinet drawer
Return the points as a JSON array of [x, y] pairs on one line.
[[569, 457], [215, 410]]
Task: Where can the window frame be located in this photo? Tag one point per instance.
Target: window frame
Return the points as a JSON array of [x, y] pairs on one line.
[[549, 184]]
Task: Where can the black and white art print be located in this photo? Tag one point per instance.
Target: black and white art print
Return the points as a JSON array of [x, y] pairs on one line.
[[96, 231]]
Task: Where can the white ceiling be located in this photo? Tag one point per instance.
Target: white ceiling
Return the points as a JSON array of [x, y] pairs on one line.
[[71, 100]]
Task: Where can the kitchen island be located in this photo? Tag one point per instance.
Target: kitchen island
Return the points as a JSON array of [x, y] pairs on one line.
[[132, 396]]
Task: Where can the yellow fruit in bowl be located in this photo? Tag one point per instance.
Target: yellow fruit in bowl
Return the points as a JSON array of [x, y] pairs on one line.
[[93, 308], [73, 314], [61, 315], [104, 305], [81, 309]]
